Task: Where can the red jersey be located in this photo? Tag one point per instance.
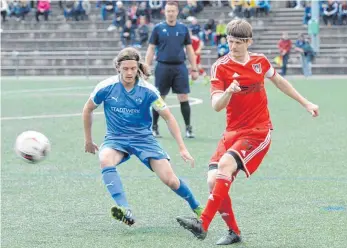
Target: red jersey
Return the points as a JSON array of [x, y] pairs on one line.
[[247, 109], [195, 42]]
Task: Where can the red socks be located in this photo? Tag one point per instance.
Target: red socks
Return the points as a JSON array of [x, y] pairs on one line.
[[227, 214], [219, 193]]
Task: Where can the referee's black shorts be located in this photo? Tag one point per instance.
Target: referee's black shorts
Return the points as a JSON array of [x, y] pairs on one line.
[[173, 76]]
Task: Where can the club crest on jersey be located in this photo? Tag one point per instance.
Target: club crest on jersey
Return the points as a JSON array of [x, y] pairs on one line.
[[257, 68]]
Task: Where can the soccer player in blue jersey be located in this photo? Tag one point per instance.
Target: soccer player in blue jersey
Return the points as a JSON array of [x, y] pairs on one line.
[[127, 100], [171, 38]]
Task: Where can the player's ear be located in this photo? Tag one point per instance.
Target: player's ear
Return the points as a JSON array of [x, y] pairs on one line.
[[249, 43], [118, 68]]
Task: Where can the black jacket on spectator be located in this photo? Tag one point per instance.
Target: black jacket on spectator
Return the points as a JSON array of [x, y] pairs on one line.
[[144, 12], [143, 32]]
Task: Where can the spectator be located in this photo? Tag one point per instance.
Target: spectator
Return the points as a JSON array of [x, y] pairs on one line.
[[309, 56], [221, 30], [307, 14], [208, 34], [4, 9], [263, 7], [195, 27], [69, 9], [284, 46], [223, 47], [156, 8], [132, 13], [185, 12], [107, 7], [143, 31], [237, 9], [119, 17], [299, 47], [249, 8], [82, 9], [330, 12], [128, 34], [342, 15], [43, 8], [143, 10]]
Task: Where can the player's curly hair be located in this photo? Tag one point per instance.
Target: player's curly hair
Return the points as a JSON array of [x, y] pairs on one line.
[[239, 29], [131, 53]]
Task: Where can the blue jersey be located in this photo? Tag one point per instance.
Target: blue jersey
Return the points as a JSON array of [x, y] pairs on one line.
[[170, 42], [127, 113]]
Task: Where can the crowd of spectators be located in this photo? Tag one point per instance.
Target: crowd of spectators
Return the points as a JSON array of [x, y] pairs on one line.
[[332, 12]]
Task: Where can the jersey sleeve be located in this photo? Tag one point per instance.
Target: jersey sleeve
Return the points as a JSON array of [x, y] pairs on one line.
[[155, 99], [187, 39], [217, 81], [154, 39], [99, 94], [269, 71]]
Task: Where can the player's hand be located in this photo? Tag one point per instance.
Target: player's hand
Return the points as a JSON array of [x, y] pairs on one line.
[[187, 157], [195, 75], [312, 108], [90, 147], [234, 87]]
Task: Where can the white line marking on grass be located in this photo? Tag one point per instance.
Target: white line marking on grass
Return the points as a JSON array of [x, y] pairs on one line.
[[193, 101]]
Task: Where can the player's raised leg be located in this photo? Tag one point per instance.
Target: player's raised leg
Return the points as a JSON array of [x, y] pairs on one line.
[[166, 174], [109, 158], [226, 167], [225, 210]]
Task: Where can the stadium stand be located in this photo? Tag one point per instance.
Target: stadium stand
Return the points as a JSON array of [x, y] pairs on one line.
[[60, 47]]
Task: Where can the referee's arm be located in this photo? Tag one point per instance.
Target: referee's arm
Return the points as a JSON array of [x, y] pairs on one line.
[[191, 57], [150, 54]]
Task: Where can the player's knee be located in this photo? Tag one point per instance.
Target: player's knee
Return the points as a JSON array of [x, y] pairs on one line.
[[108, 158], [211, 179], [172, 181], [105, 162], [227, 165], [211, 182], [183, 97]]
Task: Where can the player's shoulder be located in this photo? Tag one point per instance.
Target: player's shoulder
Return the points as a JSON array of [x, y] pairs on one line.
[[107, 82], [143, 83], [221, 61], [258, 56], [159, 25]]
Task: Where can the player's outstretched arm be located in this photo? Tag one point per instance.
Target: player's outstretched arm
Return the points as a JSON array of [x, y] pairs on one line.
[[288, 89], [176, 133], [87, 114], [221, 100]]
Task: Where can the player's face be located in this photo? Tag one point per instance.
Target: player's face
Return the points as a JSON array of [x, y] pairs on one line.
[[238, 47], [128, 71], [171, 13]]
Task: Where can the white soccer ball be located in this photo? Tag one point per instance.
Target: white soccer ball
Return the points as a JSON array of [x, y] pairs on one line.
[[32, 146]]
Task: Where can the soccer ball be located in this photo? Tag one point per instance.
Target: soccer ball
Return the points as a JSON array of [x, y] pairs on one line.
[[32, 146]]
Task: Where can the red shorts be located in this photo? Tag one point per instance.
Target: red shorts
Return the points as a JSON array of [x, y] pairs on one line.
[[250, 145]]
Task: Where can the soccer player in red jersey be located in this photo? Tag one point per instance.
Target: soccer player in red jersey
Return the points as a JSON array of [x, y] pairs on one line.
[[198, 45], [237, 84]]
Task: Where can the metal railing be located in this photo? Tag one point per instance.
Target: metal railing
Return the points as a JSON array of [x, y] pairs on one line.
[[88, 56]]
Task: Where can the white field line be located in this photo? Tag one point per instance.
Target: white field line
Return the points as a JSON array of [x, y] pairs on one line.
[[193, 101]]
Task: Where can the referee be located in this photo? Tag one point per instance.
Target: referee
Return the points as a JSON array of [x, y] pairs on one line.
[[170, 38]]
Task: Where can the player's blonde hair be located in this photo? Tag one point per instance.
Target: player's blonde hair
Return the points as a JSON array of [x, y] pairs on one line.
[[131, 53], [239, 29]]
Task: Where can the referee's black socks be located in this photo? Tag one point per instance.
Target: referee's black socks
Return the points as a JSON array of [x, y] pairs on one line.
[[185, 109], [155, 118]]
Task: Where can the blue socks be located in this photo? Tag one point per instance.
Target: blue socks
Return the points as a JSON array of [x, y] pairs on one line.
[[184, 192], [114, 186]]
